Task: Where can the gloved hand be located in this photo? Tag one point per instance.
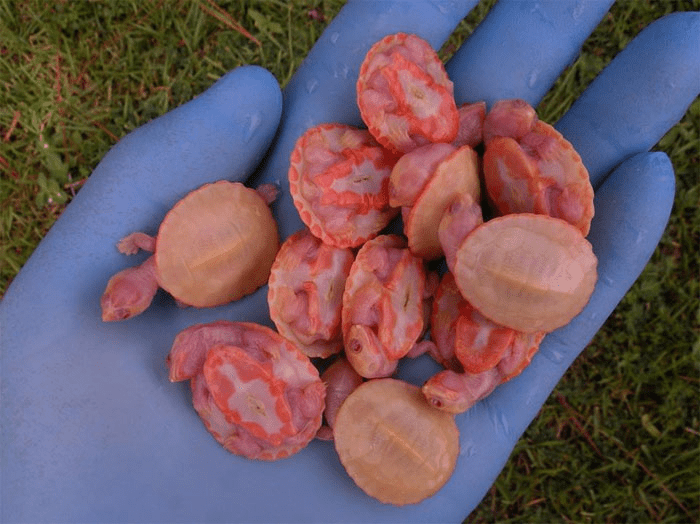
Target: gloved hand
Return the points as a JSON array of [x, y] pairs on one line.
[[91, 428]]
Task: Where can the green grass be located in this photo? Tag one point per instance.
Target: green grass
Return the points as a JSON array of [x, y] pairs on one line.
[[619, 438]]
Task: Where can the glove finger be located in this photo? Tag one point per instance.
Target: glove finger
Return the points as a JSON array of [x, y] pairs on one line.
[[643, 92], [521, 47], [323, 88], [624, 236]]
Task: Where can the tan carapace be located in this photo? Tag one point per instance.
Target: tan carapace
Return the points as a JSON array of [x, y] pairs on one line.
[[393, 444]]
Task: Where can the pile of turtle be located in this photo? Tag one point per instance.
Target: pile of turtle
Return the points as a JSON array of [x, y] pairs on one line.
[[494, 209]]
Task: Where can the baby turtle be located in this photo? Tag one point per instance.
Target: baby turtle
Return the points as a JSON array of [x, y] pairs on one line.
[[479, 343], [529, 167], [383, 309], [214, 246], [393, 444], [456, 392], [478, 353], [339, 180], [404, 94], [256, 393], [305, 293]]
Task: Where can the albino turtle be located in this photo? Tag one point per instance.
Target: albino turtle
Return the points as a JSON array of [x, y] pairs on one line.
[[305, 293], [256, 393], [339, 178], [481, 344], [383, 315], [214, 246], [393, 444], [404, 95], [529, 167]]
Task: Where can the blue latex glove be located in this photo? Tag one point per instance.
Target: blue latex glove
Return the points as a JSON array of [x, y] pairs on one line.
[[91, 428]]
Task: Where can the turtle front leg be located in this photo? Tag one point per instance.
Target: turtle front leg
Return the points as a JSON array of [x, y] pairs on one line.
[[131, 244], [129, 292]]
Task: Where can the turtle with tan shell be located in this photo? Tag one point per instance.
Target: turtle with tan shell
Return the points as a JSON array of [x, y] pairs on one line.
[[214, 246]]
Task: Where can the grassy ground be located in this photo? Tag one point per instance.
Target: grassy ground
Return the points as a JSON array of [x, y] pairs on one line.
[[619, 438]]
